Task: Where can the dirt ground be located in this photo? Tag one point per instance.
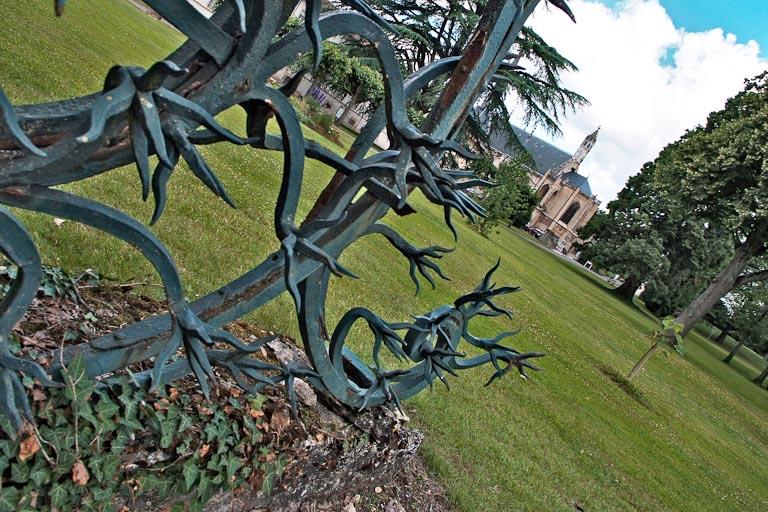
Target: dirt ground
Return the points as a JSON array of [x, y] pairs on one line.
[[94, 310]]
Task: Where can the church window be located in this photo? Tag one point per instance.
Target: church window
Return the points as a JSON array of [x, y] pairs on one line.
[[569, 213], [543, 191]]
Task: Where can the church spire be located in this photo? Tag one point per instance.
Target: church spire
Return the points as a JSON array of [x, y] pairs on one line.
[[573, 163], [586, 145]]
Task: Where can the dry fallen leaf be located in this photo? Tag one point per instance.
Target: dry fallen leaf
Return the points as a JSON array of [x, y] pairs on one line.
[[204, 450], [256, 413], [79, 474], [280, 420], [28, 447], [173, 394], [58, 221]]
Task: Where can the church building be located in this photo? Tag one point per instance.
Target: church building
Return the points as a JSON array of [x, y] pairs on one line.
[[566, 201]]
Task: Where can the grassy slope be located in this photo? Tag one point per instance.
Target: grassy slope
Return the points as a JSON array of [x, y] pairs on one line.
[[699, 441]]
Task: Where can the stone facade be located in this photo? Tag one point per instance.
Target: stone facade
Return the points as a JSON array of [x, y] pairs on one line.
[[566, 201]]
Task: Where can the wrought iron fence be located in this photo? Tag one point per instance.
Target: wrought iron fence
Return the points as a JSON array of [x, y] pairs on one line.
[[168, 111]]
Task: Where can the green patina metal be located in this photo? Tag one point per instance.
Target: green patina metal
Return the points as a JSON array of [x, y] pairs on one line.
[[168, 111]]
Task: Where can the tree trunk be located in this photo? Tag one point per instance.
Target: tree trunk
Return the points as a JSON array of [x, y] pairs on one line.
[[350, 105], [760, 378], [628, 288], [723, 334], [724, 282], [639, 365], [733, 353]]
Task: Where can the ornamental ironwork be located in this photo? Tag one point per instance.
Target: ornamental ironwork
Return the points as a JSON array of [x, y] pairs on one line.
[[168, 111]]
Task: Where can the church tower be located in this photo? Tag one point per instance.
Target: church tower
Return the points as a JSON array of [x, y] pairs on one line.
[[573, 163]]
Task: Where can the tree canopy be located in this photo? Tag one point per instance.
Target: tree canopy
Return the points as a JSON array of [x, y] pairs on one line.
[[429, 30], [511, 201], [345, 74], [646, 241], [718, 173]]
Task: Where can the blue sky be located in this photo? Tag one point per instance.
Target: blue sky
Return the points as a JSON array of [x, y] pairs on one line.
[[648, 81], [747, 19]]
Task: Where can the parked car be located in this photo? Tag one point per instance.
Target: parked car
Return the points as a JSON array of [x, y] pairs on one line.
[[533, 231]]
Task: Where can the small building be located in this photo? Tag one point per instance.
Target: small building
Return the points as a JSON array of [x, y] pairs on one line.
[[566, 201]]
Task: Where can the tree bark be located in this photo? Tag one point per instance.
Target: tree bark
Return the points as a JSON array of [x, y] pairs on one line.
[[733, 353], [725, 281], [350, 105], [628, 288], [760, 378], [639, 365], [721, 338]]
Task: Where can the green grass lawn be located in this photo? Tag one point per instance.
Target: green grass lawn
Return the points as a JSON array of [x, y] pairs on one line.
[[693, 435]]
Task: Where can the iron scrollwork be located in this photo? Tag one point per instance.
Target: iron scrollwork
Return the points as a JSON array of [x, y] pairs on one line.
[[168, 111]]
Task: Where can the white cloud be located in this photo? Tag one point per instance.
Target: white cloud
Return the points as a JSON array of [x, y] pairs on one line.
[[647, 81]]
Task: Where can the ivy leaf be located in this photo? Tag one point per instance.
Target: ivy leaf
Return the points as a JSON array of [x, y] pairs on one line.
[[40, 476], [59, 495], [162, 486], [190, 472], [168, 430], [110, 465], [108, 426], [119, 443], [9, 497], [64, 465], [7, 448], [106, 409], [85, 411], [211, 432], [214, 463], [130, 410], [48, 289], [185, 422], [202, 486], [94, 464], [270, 480], [172, 413], [102, 494], [76, 377], [257, 401], [232, 465], [20, 473]]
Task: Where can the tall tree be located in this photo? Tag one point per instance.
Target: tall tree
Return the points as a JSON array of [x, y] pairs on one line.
[[511, 201], [720, 317], [628, 240], [695, 251], [645, 241], [719, 173], [749, 316], [428, 31], [347, 75]]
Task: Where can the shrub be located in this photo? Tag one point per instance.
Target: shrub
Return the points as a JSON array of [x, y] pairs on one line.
[[301, 110], [314, 108], [324, 120]]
